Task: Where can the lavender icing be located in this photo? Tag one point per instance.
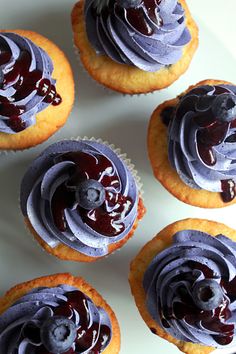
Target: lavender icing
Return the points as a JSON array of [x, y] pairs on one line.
[[111, 32], [176, 270], [46, 174], [40, 61], [33, 310], [183, 146]]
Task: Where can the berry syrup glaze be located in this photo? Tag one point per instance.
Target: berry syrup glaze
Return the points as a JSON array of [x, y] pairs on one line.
[[148, 34], [191, 288], [29, 315], [82, 194], [202, 139], [105, 219], [136, 18], [26, 86]]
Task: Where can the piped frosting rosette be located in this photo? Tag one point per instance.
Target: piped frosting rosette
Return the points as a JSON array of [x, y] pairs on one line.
[[190, 289], [148, 34], [82, 194], [26, 84], [202, 139], [54, 320]]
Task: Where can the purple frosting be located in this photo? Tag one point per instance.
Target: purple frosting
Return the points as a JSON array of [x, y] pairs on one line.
[[14, 45], [171, 277], [20, 324], [183, 144], [149, 34], [47, 173]]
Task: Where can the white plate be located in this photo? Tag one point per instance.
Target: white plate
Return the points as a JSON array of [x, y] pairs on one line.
[[122, 121]]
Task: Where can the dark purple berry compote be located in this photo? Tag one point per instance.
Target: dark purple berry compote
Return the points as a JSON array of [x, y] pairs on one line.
[[202, 139], [58, 320], [80, 193], [26, 84], [191, 289]]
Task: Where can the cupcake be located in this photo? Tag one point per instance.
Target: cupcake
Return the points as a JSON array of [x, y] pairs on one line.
[[36, 89], [57, 314], [81, 199], [134, 46], [183, 282], [192, 144]]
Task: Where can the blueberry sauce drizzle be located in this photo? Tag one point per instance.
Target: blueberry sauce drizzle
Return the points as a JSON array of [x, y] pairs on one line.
[[136, 16], [96, 337], [103, 219], [228, 190], [24, 82], [215, 320]]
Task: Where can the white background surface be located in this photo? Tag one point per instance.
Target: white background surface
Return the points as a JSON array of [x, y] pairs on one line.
[[122, 121]]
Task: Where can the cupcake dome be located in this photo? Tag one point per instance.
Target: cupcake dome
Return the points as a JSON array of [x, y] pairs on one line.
[[81, 200], [32, 97], [44, 316], [195, 266], [202, 138], [138, 46], [191, 140], [183, 282], [27, 84]]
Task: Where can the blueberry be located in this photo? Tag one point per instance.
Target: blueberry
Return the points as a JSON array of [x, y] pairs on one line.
[[90, 194], [224, 107], [207, 294], [129, 3], [58, 334]]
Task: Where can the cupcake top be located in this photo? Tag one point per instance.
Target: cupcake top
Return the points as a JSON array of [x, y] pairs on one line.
[[202, 139], [54, 320], [147, 34], [82, 194], [191, 289], [26, 83]]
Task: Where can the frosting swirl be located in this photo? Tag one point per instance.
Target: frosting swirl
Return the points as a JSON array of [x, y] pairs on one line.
[[174, 273], [26, 84], [202, 141], [21, 324], [51, 198], [148, 34]]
